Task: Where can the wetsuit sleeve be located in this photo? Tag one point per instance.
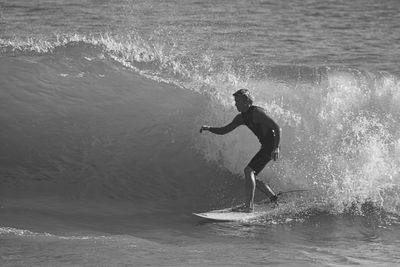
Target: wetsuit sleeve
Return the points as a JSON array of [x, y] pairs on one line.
[[269, 124], [237, 121]]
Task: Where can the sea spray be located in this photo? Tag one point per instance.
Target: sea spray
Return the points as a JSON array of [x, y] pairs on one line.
[[340, 137]]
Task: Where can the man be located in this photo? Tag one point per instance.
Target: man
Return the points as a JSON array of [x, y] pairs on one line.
[[267, 132]]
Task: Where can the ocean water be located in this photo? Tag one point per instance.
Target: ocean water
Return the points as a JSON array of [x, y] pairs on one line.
[[102, 162]]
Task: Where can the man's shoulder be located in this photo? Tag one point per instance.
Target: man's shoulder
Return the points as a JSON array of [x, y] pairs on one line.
[[259, 110], [260, 114]]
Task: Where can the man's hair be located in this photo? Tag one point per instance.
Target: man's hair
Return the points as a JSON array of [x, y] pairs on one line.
[[245, 94]]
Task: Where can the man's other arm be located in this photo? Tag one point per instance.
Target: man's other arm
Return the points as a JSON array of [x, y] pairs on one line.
[[267, 124]]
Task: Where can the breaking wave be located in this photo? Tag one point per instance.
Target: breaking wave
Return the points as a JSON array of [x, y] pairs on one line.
[[118, 116]]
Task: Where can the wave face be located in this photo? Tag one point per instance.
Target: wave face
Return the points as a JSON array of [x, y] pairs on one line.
[[78, 124], [101, 116]]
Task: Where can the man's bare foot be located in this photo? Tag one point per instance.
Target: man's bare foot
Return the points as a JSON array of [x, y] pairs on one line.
[[248, 210], [243, 208]]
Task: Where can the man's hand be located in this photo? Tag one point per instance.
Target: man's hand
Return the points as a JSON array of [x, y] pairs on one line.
[[275, 154], [204, 128]]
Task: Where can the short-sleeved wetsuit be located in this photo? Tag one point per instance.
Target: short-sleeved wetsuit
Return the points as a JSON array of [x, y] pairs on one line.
[[267, 139]]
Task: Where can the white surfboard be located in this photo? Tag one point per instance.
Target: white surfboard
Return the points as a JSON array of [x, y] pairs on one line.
[[229, 215], [260, 210]]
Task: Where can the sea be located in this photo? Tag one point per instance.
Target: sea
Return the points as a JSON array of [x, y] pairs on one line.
[[101, 158]]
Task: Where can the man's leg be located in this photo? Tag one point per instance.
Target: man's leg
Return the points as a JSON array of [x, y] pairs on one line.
[[264, 188], [257, 163], [250, 187]]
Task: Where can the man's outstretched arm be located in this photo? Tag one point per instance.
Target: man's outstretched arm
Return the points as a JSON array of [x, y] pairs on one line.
[[237, 121]]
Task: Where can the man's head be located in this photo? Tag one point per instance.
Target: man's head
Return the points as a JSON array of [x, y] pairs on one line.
[[243, 100]]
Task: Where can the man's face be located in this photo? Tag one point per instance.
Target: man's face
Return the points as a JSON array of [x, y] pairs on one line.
[[241, 104]]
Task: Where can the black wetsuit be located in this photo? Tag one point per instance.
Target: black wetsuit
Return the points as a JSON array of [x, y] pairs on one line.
[[267, 139]]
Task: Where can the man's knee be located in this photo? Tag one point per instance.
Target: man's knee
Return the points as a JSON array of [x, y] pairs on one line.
[[248, 171]]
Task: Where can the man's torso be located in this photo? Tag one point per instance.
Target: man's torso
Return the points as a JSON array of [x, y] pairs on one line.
[[257, 127]]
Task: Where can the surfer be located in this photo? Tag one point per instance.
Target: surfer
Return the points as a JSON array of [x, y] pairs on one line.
[[268, 133]]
